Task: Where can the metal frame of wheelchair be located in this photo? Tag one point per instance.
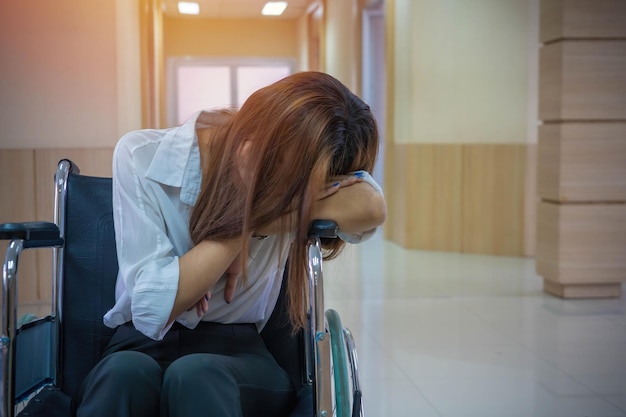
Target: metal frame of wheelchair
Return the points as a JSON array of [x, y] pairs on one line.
[[333, 345], [330, 355]]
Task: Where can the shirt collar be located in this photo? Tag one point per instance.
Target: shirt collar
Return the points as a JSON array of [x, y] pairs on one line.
[[177, 161]]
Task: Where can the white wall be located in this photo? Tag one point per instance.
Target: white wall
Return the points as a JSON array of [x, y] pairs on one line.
[[69, 77], [462, 71]]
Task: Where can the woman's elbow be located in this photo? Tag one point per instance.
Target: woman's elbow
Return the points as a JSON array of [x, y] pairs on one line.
[[378, 210]]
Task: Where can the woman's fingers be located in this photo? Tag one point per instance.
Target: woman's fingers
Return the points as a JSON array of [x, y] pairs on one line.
[[346, 182], [231, 286], [328, 191], [202, 306], [232, 276], [340, 183]]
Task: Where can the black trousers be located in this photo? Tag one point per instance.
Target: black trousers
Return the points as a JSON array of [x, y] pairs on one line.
[[213, 370]]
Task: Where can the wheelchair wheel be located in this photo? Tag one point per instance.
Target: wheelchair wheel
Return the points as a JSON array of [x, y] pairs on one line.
[[357, 398], [341, 381]]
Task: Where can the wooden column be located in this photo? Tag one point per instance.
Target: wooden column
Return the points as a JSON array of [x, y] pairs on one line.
[[581, 215]]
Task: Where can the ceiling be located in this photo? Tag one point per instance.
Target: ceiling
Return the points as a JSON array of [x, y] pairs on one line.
[[237, 9]]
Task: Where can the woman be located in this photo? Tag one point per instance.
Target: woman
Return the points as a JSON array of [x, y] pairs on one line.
[[226, 194]]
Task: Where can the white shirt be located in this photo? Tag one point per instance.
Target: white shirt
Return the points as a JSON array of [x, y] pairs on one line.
[[156, 181]]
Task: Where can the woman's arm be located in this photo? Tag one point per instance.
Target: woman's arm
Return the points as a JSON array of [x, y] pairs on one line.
[[200, 269], [356, 208], [355, 203]]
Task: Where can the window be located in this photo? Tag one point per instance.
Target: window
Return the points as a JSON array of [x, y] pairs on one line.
[[201, 83]]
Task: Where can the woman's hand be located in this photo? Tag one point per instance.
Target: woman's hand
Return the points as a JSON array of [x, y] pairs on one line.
[[233, 272], [343, 181], [200, 268], [202, 306]]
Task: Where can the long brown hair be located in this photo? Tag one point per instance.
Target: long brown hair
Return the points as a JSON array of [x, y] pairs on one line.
[[300, 133]]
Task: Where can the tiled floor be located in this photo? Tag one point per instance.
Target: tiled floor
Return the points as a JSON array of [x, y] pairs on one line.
[[451, 335]]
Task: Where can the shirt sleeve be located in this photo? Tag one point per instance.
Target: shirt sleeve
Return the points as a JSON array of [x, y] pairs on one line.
[[147, 264], [361, 237]]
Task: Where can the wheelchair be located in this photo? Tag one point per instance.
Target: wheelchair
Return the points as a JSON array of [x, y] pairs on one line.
[[44, 359]]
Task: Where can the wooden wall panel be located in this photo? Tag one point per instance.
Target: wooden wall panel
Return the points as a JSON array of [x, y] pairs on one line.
[[576, 19], [582, 80], [581, 232], [458, 198], [550, 81], [433, 197], [584, 245], [582, 162], [17, 184], [493, 199], [549, 162], [17, 204]]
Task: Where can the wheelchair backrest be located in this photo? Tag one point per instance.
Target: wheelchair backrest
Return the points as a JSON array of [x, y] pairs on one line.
[[89, 275]]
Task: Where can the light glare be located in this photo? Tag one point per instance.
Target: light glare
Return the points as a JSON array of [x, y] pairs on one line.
[[274, 8], [187, 7]]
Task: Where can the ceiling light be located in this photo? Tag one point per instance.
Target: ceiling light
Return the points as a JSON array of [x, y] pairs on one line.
[[187, 7], [274, 8]]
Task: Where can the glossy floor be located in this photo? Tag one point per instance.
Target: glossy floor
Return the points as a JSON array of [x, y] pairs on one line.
[[451, 335]]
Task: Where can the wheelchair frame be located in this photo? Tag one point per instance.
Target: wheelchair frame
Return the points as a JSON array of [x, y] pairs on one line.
[[330, 350]]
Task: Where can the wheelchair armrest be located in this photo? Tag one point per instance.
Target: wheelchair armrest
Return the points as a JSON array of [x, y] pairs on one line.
[[323, 229], [34, 234]]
